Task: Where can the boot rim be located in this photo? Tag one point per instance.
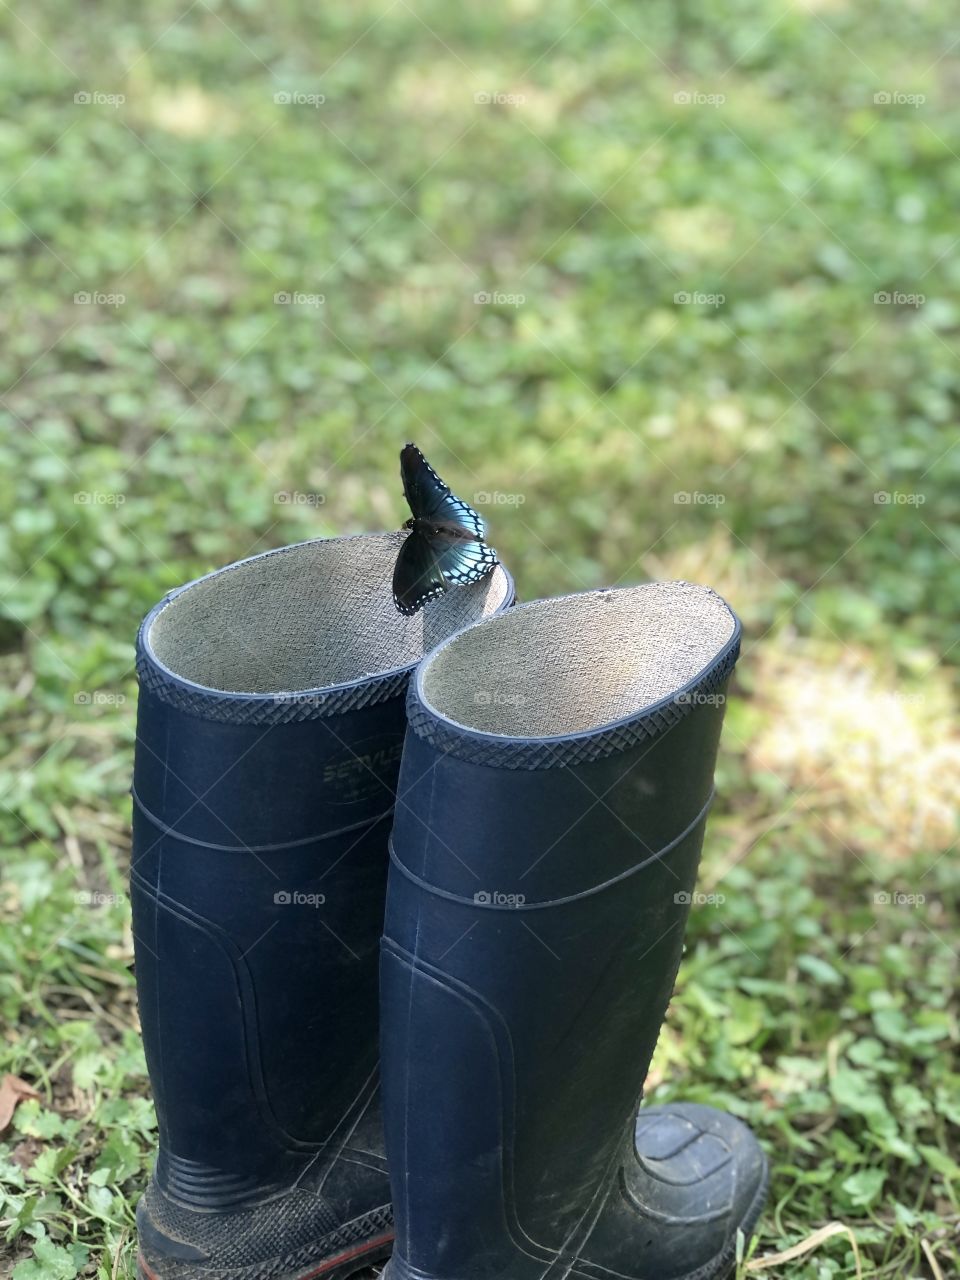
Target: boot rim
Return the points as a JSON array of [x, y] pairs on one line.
[[276, 706], [558, 750]]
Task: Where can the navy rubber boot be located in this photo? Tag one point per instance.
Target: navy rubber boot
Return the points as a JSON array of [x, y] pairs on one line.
[[556, 778], [269, 733]]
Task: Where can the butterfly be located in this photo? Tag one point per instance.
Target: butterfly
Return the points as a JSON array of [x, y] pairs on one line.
[[445, 546]]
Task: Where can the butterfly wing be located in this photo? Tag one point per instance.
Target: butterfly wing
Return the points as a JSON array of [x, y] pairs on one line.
[[429, 498], [428, 564], [463, 560], [417, 576]]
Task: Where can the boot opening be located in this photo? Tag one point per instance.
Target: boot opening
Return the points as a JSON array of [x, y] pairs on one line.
[[579, 662], [307, 617]]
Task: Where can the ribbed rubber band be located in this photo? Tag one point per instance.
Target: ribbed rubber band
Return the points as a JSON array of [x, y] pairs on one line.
[[498, 752], [254, 848], [267, 709], [551, 902]]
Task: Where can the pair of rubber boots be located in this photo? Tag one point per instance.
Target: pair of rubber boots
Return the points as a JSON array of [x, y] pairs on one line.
[[538, 795]]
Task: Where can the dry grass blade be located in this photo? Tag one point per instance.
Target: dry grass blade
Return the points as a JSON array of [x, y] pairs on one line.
[[118, 1254], [934, 1264], [807, 1246]]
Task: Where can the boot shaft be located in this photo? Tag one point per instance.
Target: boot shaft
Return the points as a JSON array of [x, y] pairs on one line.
[[270, 727], [556, 777]]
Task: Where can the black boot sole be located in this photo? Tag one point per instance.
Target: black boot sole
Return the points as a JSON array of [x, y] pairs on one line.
[[338, 1267]]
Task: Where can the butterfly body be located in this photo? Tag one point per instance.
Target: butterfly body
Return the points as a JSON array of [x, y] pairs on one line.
[[445, 545], [430, 529]]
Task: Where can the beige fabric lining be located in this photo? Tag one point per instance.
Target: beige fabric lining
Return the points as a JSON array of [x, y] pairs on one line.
[[309, 616], [577, 662]]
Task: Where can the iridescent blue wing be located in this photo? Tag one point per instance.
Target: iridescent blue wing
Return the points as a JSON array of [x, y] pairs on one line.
[[429, 498], [430, 563], [417, 576]]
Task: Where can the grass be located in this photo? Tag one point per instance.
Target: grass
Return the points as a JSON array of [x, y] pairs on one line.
[[721, 343]]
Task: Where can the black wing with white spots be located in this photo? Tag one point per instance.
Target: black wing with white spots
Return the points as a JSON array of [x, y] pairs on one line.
[[429, 498], [445, 546]]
